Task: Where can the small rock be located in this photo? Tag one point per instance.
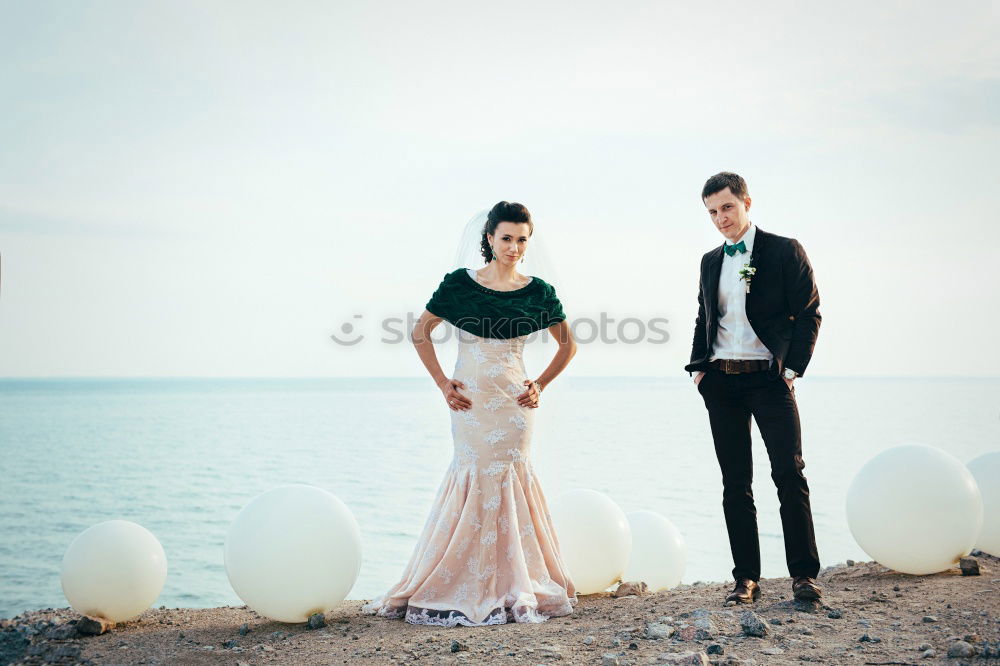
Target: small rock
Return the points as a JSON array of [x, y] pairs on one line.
[[244, 629], [61, 632], [686, 658], [638, 588], [458, 647], [715, 648], [961, 649], [929, 653], [969, 565], [753, 625], [230, 644], [924, 646], [773, 650], [589, 640], [658, 630], [316, 621], [610, 659], [549, 653], [775, 620], [93, 626], [835, 614], [929, 618], [851, 563]]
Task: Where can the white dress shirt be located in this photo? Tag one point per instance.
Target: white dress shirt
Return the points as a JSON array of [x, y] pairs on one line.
[[735, 338]]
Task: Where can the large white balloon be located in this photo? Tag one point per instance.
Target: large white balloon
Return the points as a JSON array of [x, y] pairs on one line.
[[986, 471], [594, 538], [293, 551], [659, 553], [113, 570], [915, 509]]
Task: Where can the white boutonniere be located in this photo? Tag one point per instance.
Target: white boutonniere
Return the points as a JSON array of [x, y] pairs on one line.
[[747, 273]]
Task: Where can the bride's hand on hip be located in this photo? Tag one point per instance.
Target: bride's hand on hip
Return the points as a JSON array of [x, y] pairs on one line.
[[456, 401], [530, 397]]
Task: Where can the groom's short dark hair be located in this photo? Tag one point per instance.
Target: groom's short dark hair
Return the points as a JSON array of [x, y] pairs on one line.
[[721, 181]]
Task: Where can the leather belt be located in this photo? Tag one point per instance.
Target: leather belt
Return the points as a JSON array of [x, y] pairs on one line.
[[736, 366]]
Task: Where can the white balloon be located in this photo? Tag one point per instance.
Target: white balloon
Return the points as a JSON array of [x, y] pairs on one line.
[[986, 471], [659, 553], [113, 570], [594, 538], [915, 509], [293, 551]]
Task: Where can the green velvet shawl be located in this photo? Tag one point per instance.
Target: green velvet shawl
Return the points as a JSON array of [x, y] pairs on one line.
[[488, 313]]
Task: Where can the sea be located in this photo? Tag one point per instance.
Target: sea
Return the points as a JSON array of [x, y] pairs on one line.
[[182, 457]]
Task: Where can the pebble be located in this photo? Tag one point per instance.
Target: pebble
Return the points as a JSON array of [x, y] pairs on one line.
[[929, 619], [658, 630], [589, 640], [961, 649], [244, 629], [969, 566], [695, 658], [638, 588], [835, 614], [610, 659], [929, 653], [753, 625], [316, 621], [92, 627]]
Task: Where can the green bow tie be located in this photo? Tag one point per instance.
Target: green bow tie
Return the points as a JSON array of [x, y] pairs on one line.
[[733, 249]]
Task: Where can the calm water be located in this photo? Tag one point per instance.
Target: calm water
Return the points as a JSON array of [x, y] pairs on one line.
[[181, 457]]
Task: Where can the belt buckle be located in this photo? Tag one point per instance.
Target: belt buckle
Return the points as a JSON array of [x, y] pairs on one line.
[[730, 367]]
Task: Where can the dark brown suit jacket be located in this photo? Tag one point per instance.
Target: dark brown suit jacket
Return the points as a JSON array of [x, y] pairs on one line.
[[782, 306]]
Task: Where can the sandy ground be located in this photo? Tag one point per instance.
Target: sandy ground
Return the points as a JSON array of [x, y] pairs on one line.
[[869, 615]]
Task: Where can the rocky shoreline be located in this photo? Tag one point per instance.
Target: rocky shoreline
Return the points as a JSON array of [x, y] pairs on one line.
[[868, 615]]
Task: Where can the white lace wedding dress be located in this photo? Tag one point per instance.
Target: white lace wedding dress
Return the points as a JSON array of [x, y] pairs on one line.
[[488, 553]]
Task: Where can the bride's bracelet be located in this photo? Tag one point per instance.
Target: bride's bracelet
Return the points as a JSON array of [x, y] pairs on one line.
[[538, 384]]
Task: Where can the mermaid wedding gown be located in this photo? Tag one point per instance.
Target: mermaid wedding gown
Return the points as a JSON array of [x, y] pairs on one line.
[[487, 553]]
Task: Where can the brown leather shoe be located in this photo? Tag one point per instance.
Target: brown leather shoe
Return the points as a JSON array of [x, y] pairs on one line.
[[745, 592], [805, 588]]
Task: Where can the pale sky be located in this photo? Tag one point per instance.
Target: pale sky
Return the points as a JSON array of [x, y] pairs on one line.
[[213, 188]]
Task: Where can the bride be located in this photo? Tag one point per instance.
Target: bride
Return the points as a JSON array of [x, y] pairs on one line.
[[488, 553]]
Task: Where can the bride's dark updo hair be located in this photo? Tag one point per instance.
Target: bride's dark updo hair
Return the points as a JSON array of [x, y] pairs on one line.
[[504, 212]]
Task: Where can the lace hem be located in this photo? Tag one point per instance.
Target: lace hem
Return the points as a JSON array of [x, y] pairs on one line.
[[452, 618]]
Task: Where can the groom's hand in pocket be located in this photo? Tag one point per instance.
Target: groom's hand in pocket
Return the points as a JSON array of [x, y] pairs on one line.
[[697, 378]]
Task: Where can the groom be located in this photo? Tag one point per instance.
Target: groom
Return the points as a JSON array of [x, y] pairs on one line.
[[758, 319]]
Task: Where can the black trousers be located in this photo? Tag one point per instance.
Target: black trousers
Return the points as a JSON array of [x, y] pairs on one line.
[[731, 400]]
